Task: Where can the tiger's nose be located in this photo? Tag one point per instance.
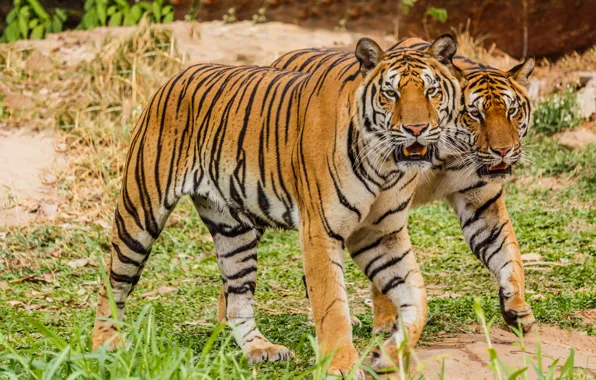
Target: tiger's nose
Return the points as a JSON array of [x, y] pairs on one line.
[[502, 151], [415, 129]]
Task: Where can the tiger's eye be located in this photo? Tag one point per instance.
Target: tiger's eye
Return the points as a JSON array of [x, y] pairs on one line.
[[391, 93], [512, 111], [432, 91], [475, 114]]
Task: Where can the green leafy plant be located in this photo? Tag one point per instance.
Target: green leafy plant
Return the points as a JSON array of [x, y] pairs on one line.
[[29, 20], [557, 112], [439, 14], [121, 13]]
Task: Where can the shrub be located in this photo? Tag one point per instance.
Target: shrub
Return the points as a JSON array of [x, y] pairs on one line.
[[557, 112], [120, 12], [29, 20]]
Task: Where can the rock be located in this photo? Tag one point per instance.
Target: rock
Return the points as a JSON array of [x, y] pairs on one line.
[[50, 211], [78, 263], [536, 88], [577, 139], [531, 257], [586, 96]]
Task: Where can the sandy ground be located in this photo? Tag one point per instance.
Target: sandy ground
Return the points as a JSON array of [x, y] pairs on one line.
[[31, 162], [29, 165], [466, 356]]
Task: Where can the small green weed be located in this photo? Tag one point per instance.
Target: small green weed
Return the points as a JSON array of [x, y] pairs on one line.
[[557, 112]]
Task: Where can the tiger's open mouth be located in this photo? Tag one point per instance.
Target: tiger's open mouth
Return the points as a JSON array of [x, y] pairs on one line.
[[499, 169], [414, 152]]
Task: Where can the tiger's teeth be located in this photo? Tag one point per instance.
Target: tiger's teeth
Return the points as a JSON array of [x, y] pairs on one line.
[[423, 151], [406, 152]]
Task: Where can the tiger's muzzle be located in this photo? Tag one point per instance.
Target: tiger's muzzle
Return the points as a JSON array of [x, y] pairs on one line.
[[497, 162], [419, 142]]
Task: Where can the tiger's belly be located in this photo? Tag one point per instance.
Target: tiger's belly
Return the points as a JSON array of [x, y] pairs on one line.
[[252, 201]]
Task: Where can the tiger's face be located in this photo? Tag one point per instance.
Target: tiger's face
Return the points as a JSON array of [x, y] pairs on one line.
[[405, 99], [494, 118]]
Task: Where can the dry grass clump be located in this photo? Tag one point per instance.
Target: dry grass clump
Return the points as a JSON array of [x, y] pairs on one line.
[[94, 104], [472, 47]]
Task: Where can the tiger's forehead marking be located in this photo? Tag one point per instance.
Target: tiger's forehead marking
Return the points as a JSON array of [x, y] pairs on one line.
[[395, 76], [489, 89]]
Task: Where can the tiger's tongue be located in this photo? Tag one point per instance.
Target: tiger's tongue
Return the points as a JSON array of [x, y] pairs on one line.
[[501, 166]]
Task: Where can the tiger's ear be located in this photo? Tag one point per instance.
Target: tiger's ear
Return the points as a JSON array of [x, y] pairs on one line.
[[521, 73], [369, 54], [443, 49]]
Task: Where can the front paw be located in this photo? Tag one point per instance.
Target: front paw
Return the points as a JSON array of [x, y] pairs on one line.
[[343, 373], [105, 333], [342, 365], [267, 351], [517, 313]]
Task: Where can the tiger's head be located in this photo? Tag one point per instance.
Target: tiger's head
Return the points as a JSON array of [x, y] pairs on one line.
[[494, 118], [405, 98]]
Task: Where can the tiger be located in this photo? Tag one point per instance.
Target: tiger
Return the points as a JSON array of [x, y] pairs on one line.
[[481, 148], [259, 147]]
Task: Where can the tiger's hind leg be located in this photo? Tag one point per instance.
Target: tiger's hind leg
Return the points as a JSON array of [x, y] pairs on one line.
[[236, 247], [133, 235]]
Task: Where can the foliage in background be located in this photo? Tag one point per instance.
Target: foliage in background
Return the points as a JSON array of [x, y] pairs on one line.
[[29, 20], [121, 13], [557, 112], [439, 14], [230, 16]]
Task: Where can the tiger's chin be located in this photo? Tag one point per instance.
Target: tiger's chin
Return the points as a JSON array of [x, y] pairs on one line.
[[501, 171], [415, 156]]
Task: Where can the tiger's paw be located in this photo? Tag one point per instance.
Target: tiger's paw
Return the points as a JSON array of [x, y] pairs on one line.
[[383, 361], [267, 352], [518, 313], [103, 334], [339, 373], [342, 367], [355, 321], [384, 325]]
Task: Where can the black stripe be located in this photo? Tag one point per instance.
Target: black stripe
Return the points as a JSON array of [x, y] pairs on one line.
[[482, 209], [402, 206], [125, 259], [393, 283], [477, 185], [386, 265], [244, 248], [242, 273]]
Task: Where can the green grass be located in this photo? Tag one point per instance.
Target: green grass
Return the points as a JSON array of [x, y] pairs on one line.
[[560, 225]]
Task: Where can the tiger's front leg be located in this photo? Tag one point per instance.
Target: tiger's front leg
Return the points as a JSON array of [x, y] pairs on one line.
[[388, 260], [488, 230], [323, 267], [236, 247]]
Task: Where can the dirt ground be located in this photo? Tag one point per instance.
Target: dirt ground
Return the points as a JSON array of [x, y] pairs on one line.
[[466, 356], [28, 161], [31, 160]]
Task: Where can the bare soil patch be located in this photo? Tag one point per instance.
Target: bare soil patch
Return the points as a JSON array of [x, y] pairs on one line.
[[466, 355], [28, 167]]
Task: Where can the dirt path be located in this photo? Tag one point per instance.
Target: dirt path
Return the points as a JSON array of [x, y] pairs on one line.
[[466, 356], [28, 163]]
